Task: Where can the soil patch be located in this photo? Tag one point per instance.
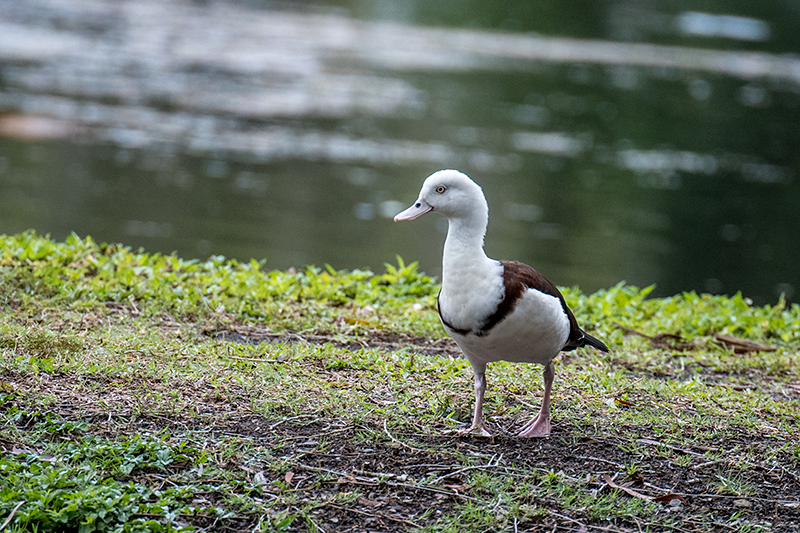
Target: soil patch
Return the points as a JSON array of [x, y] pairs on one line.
[[399, 481]]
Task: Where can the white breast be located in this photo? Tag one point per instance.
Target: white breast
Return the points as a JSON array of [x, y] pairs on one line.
[[534, 332], [472, 288]]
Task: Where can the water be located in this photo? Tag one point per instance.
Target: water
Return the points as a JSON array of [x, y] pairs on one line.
[[639, 143]]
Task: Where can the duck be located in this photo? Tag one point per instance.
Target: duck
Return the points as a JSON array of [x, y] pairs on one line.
[[494, 310]]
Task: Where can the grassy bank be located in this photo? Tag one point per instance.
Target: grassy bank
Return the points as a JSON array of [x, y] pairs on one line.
[[143, 392]]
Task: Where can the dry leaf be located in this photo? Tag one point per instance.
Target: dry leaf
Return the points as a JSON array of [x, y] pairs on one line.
[[288, 477], [666, 498], [623, 403], [632, 492], [371, 503]]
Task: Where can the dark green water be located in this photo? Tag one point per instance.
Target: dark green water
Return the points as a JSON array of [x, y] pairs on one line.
[[650, 144]]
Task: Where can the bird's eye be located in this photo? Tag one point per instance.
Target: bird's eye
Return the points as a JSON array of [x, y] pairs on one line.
[[440, 189]]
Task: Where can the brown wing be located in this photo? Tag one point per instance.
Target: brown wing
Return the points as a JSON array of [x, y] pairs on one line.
[[517, 277]]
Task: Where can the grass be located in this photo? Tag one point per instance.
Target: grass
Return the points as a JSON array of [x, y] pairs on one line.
[[141, 392]]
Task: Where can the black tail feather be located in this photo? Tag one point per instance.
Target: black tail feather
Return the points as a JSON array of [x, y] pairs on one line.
[[584, 339], [593, 342]]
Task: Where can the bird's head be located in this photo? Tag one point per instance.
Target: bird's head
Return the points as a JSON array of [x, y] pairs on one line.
[[450, 193]]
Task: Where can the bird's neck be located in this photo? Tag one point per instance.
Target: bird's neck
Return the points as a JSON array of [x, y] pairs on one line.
[[472, 283], [464, 246]]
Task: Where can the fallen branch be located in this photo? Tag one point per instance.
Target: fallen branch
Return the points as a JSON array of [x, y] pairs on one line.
[[739, 345], [662, 340], [674, 341]]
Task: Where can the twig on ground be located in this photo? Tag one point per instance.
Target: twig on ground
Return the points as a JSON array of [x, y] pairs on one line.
[[13, 512], [662, 340], [709, 463], [284, 420], [319, 528], [664, 498], [600, 460], [493, 463], [401, 443], [583, 527], [670, 446]]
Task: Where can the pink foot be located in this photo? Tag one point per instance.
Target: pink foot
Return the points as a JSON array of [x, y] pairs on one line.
[[538, 427], [480, 431]]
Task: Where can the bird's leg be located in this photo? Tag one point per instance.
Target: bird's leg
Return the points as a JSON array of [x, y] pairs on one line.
[[478, 426], [540, 425]]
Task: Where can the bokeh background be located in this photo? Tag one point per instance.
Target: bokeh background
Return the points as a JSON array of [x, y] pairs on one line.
[[640, 141]]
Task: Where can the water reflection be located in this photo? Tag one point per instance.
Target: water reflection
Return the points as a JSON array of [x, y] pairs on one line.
[[726, 26], [652, 146]]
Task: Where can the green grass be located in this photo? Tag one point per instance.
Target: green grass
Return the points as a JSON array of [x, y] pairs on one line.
[[142, 392]]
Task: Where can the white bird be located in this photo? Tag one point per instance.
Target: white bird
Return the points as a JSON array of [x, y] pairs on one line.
[[494, 310]]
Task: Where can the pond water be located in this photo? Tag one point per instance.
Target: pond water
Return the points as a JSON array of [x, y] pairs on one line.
[[645, 142]]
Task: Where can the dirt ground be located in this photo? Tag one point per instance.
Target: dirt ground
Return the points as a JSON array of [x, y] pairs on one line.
[[384, 473]]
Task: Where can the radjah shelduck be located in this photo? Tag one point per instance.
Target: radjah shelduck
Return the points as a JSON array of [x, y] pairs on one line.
[[494, 310]]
